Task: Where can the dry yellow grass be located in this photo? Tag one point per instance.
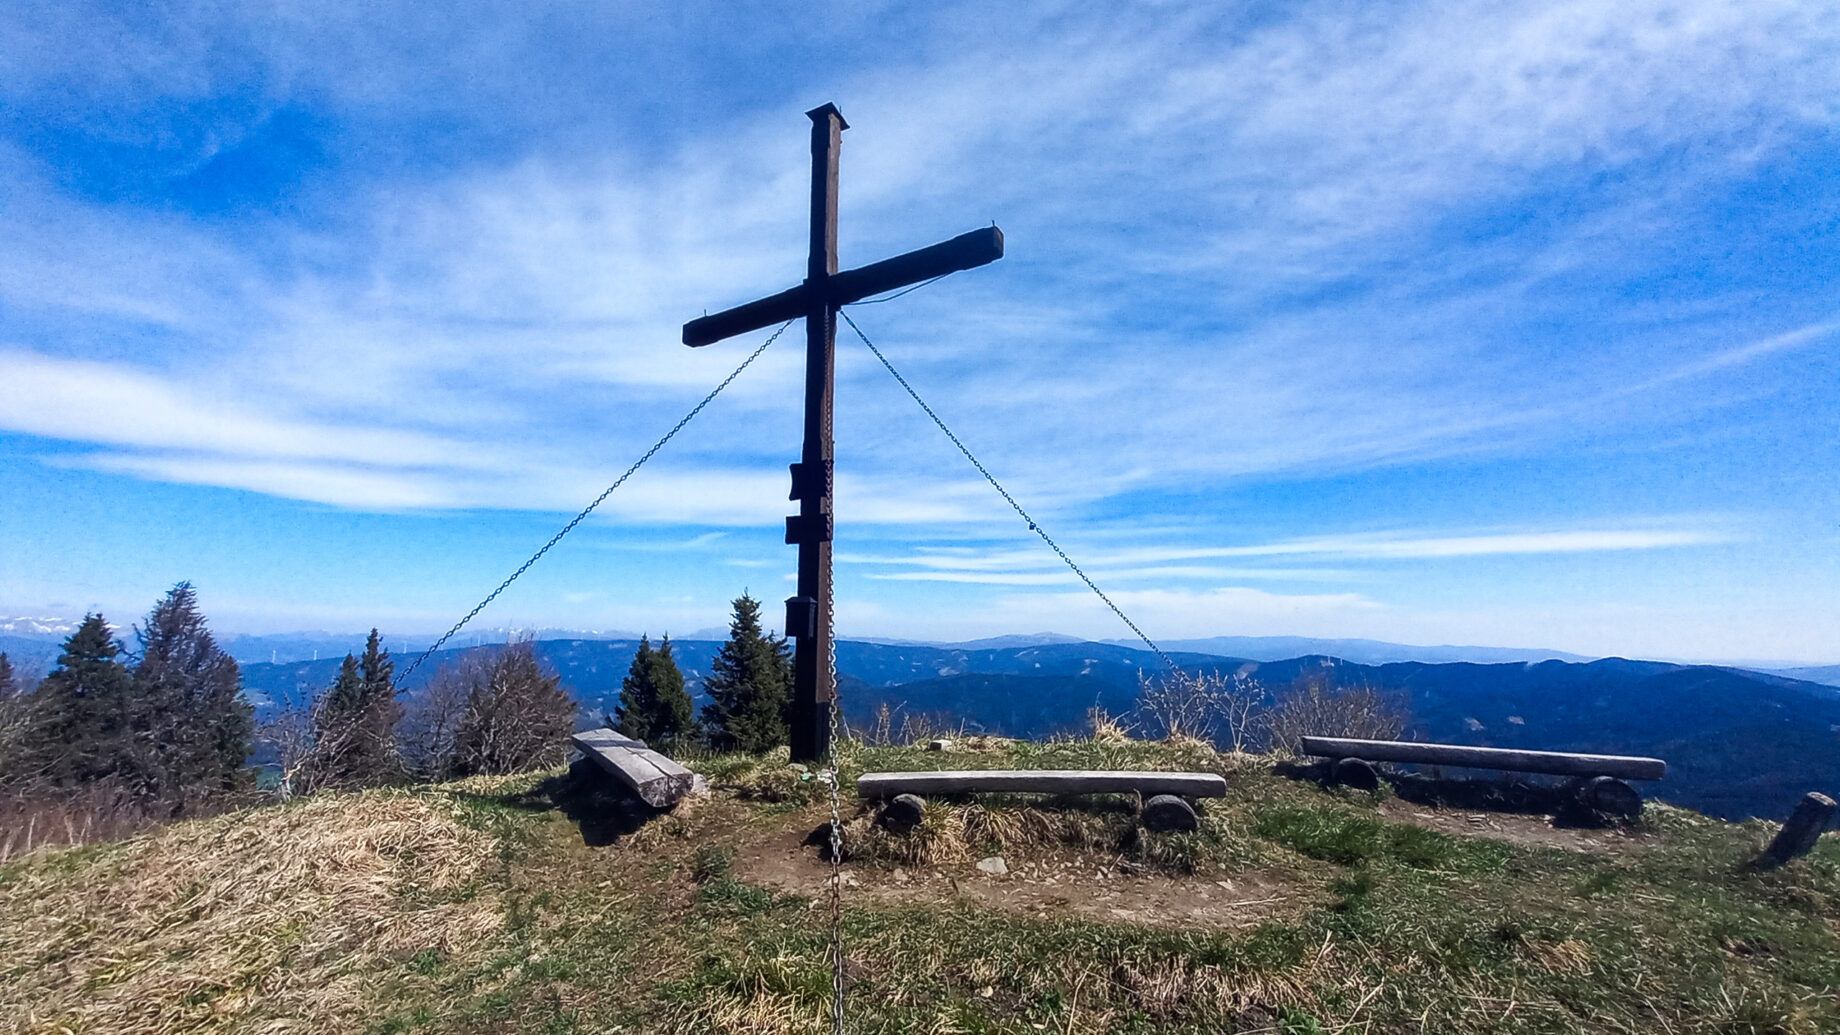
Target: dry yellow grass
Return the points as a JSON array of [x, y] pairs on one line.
[[274, 920]]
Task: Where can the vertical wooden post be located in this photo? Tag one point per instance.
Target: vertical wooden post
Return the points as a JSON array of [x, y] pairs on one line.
[[812, 692], [808, 615], [1812, 816]]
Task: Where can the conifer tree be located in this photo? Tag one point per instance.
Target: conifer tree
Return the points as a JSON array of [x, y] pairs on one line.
[[654, 706], [192, 728], [749, 686], [9, 683], [82, 724], [354, 723]]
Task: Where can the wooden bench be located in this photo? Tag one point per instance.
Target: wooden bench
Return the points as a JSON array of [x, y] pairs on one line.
[[1600, 785], [1169, 798], [658, 781]]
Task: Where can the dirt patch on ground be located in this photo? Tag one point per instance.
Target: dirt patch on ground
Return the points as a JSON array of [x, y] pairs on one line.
[[1519, 828], [1059, 887]]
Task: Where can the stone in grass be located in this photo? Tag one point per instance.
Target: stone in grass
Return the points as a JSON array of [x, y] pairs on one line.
[[939, 745], [993, 865]]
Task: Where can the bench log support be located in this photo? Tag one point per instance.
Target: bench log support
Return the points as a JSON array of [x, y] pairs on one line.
[[902, 813], [1167, 814], [1355, 772], [1168, 798], [1609, 796]]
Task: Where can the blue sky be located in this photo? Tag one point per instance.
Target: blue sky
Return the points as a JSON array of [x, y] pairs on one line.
[[1510, 324]]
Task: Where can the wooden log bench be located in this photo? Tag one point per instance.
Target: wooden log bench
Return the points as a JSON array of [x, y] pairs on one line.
[[1599, 785], [1170, 799], [658, 781]]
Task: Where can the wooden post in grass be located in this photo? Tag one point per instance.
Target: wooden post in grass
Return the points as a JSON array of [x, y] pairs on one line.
[[1798, 836]]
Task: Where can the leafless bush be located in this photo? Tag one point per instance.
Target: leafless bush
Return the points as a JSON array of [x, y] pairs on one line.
[[1313, 706], [104, 811], [517, 716], [1221, 709], [425, 734], [19, 721], [306, 752], [894, 725], [1106, 727]]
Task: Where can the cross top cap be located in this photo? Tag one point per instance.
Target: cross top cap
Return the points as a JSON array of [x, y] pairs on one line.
[[825, 110]]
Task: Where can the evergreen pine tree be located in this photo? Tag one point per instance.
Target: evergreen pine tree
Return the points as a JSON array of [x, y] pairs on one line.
[[82, 717], [638, 697], [192, 728], [379, 713], [354, 724], [9, 683], [336, 730], [749, 686], [654, 706]]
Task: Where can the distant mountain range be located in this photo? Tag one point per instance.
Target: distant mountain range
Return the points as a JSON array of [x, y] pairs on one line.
[[1739, 743], [1365, 652]]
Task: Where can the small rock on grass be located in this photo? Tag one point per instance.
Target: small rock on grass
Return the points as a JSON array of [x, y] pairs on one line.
[[993, 865]]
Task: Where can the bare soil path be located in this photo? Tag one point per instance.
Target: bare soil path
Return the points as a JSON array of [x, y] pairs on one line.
[[1110, 893]]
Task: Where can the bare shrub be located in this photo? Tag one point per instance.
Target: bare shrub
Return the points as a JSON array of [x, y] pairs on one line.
[[34, 818], [895, 726], [1106, 727], [1314, 707], [431, 717], [1220, 709], [20, 730], [517, 715]]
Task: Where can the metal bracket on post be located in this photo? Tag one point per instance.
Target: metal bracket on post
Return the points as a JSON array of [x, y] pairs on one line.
[[814, 528], [801, 617], [811, 482]]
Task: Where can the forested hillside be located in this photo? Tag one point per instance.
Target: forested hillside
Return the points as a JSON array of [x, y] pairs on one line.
[[1739, 743]]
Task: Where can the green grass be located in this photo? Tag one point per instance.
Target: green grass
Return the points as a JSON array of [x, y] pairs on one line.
[[1382, 927]]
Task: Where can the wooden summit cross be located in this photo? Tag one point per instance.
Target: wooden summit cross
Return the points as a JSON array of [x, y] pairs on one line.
[[808, 615]]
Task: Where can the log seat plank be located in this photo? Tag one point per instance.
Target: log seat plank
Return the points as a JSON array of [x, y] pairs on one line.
[[1041, 781], [1558, 763], [657, 780]]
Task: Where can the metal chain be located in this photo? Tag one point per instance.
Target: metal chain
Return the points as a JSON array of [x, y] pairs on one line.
[[589, 509], [836, 708], [1011, 500]]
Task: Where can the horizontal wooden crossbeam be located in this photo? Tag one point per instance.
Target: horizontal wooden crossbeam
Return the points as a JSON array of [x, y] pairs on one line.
[[1557, 763], [966, 251]]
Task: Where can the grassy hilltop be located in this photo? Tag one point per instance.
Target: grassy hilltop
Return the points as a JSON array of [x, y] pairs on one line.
[[537, 904]]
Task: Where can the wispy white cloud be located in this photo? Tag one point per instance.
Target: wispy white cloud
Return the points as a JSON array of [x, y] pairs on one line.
[[964, 563], [114, 404], [1245, 251]]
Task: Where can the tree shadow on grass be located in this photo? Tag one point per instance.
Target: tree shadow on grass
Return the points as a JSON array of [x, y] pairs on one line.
[[599, 805]]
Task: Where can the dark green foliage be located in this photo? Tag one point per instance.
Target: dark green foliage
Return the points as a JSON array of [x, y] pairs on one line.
[[517, 717], [9, 683], [749, 685], [192, 729], [353, 724], [654, 706], [81, 726]]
